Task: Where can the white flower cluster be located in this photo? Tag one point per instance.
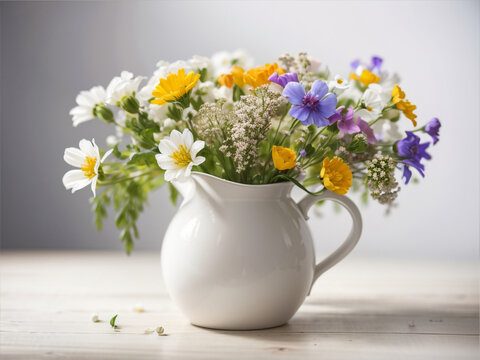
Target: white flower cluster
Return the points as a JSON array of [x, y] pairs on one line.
[[253, 119], [211, 121], [381, 180]]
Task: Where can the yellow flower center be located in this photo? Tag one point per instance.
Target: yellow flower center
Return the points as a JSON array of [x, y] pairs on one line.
[[369, 108], [339, 81], [88, 167], [182, 156]]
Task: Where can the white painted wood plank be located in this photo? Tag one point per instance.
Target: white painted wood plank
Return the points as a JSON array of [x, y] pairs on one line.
[[362, 309]]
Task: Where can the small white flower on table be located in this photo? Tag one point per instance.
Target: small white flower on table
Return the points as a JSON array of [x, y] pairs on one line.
[[178, 154], [87, 159]]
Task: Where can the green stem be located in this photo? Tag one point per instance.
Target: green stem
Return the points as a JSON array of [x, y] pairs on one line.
[[112, 182]]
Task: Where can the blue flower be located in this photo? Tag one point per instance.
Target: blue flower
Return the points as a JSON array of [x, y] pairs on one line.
[[432, 129], [314, 107], [412, 153]]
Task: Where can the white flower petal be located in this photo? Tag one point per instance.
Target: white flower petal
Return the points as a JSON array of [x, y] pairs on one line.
[[107, 154], [167, 147], [74, 178], [87, 147], [94, 185], [187, 138], [176, 138], [74, 157], [196, 147], [171, 174], [165, 162], [198, 160]]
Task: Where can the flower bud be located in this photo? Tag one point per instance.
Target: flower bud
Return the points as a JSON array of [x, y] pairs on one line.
[[101, 111], [359, 144], [130, 104]]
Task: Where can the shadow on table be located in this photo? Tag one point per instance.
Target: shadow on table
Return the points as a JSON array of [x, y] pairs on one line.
[[371, 316]]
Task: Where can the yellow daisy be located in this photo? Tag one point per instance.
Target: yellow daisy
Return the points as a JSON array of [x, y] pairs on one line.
[[174, 87]]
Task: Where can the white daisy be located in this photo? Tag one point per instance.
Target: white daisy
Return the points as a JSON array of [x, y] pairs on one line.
[[121, 86], [339, 83], [87, 100], [178, 154], [87, 158]]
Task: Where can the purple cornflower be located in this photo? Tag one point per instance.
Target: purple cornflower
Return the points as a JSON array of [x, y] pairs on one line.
[[314, 107], [432, 129], [412, 152], [347, 125], [284, 79], [303, 153]]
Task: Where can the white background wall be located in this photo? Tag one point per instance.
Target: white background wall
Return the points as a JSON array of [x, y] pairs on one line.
[[51, 51]]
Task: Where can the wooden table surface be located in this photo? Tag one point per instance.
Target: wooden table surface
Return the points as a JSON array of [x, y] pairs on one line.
[[361, 309]]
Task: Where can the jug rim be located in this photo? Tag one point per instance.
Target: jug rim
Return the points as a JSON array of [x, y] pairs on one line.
[[283, 184]]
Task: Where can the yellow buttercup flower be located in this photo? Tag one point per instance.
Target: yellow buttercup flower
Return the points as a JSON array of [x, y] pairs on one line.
[[174, 87], [397, 94], [225, 80], [407, 109], [259, 76], [283, 158], [238, 73], [366, 77], [405, 106], [336, 175]]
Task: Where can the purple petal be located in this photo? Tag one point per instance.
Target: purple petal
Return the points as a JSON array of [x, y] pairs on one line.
[[347, 125], [276, 79], [327, 106], [301, 113], [319, 89], [354, 64], [407, 174], [303, 153], [367, 130], [376, 63], [318, 119], [335, 117], [294, 92]]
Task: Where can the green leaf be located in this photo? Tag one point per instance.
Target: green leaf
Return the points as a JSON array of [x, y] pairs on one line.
[[174, 112], [289, 178], [144, 158], [173, 193], [118, 154], [237, 93], [112, 321], [203, 75], [312, 181]]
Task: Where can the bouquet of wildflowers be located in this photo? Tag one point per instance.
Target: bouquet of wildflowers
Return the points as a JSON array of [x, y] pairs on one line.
[[292, 120]]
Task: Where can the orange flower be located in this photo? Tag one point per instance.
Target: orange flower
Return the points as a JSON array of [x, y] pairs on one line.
[[237, 73], [225, 80], [259, 76]]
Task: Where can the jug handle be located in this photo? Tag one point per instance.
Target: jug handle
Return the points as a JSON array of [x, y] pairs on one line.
[[352, 239]]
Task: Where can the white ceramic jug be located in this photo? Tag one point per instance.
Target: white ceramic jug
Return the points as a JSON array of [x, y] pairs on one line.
[[241, 257]]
